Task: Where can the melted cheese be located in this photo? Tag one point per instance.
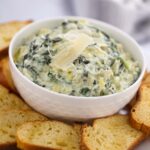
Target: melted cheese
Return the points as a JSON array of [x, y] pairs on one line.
[[76, 46]]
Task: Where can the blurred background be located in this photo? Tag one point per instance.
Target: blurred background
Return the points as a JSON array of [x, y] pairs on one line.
[[131, 16]]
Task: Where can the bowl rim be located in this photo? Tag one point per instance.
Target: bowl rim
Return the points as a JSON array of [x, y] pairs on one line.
[[93, 21]]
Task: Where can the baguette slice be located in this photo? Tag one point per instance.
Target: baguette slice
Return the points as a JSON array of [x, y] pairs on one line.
[[112, 133], [7, 75], [146, 79], [2, 78], [78, 128], [48, 135], [10, 120], [140, 113], [11, 101], [8, 30]]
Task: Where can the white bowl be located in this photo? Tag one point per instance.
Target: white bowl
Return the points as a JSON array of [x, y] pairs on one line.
[[63, 106]]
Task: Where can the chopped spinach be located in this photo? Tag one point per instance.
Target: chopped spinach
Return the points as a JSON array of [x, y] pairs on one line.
[[37, 82], [108, 84], [19, 65], [64, 23], [106, 35], [102, 93], [121, 66], [85, 73], [46, 41], [47, 59], [25, 57], [86, 62], [113, 46], [94, 82], [124, 63], [91, 45], [53, 51], [57, 39], [33, 45], [112, 62], [33, 70], [85, 91], [45, 53], [72, 92], [47, 37], [95, 28], [81, 60], [73, 21], [52, 77]]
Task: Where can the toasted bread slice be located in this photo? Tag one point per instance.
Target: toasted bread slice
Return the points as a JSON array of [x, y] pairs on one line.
[[7, 78], [11, 101], [8, 30], [10, 120], [2, 78], [112, 133], [146, 79], [78, 128], [140, 113], [48, 135]]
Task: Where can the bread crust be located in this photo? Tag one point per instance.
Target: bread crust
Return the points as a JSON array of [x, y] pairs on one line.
[[26, 146], [4, 53], [146, 78], [84, 146], [12, 145], [4, 48], [8, 146], [5, 72], [3, 80], [137, 124], [137, 142]]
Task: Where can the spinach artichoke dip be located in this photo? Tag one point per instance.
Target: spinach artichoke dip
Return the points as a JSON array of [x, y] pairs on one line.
[[77, 58]]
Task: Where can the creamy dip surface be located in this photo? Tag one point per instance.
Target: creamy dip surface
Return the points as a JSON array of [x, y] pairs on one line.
[[77, 58]]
